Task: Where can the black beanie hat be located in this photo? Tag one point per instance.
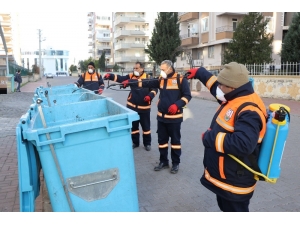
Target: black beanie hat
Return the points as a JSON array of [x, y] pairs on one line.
[[91, 64]]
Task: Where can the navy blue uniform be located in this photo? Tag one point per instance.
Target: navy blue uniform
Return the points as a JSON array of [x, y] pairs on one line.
[[135, 102], [91, 82], [168, 126], [240, 138]]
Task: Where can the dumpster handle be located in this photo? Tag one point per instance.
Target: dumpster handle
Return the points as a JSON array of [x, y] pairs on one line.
[[39, 101], [98, 182]]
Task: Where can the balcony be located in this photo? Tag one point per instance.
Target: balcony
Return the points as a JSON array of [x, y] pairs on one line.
[[128, 45], [188, 16], [102, 47], [124, 59], [91, 51], [224, 32], [122, 20], [90, 43], [103, 39], [189, 39], [231, 13], [90, 28], [124, 33], [90, 36]]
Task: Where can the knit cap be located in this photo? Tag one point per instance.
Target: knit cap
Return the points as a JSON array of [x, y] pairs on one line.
[[233, 75]]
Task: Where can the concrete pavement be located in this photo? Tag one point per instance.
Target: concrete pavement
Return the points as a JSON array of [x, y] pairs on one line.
[[159, 191]]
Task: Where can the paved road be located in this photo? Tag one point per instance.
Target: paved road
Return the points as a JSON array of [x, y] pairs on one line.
[[159, 191]]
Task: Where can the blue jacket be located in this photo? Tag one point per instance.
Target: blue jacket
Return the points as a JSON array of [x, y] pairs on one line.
[[170, 92], [240, 138]]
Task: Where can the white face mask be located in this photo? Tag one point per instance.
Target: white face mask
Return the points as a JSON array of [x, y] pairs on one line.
[[220, 95], [91, 71], [136, 73], [163, 74]]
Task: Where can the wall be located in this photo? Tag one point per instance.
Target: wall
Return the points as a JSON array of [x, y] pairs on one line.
[[281, 87]]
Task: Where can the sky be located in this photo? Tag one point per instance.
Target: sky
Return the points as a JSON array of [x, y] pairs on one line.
[[61, 31]]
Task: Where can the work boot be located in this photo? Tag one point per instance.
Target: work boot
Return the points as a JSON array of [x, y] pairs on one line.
[[174, 169], [135, 145], [148, 147], [161, 166]]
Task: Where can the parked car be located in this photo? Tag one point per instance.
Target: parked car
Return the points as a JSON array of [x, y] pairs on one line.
[[49, 75]]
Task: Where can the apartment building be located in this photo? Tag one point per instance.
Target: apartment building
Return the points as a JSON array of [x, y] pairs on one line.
[[131, 33], [52, 60], [100, 35], [10, 27], [205, 35]]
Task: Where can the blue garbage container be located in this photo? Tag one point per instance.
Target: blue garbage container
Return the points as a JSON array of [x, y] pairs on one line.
[[86, 155]]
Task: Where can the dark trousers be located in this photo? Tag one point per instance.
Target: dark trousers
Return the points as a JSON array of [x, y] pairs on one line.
[[166, 131], [229, 206], [18, 88], [145, 123]]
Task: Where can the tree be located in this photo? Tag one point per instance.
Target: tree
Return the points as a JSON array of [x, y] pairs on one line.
[[102, 61], [116, 68], [165, 42], [251, 44], [291, 48], [73, 68]]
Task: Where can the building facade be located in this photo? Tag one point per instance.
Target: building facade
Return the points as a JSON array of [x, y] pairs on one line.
[[100, 38], [10, 28], [52, 60], [205, 35], [131, 33]]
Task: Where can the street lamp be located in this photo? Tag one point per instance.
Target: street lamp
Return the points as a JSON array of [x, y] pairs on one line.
[[40, 52]]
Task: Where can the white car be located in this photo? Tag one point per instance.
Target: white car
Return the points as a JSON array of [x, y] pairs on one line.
[[49, 75], [62, 74]]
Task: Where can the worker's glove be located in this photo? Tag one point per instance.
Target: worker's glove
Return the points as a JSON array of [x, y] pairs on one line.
[[125, 84], [108, 76], [100, 91], [191, 73], [147, 99], [173, 109]]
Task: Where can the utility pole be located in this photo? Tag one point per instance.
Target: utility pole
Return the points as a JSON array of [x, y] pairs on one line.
[[40, 53]]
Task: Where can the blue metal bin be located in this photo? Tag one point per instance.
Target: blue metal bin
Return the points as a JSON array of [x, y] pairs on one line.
[[85, 151]]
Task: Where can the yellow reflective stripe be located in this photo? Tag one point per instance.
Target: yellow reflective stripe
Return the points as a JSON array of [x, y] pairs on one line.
[[228, 187], [115, 77], [176, 146], [172, 87], [185, 100], [210, 82], [221, 167], [154, 92], [170, 116], [135, 132], [139, 107], [140, 84], [224, 125], [163, 146], [147, 132], [220, 142]]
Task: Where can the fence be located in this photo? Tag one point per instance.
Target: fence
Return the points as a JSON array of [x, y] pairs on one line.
[[288, 68], [13, 67]]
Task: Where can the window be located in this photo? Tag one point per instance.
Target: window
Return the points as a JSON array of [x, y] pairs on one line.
[[234, 24], [137, 27], [105, 35], [200, 54], [210, 51], [204, 24], [137, 40], [183, 56], [270, 25]]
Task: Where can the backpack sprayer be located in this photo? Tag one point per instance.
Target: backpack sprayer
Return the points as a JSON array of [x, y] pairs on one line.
[[272, 147]]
